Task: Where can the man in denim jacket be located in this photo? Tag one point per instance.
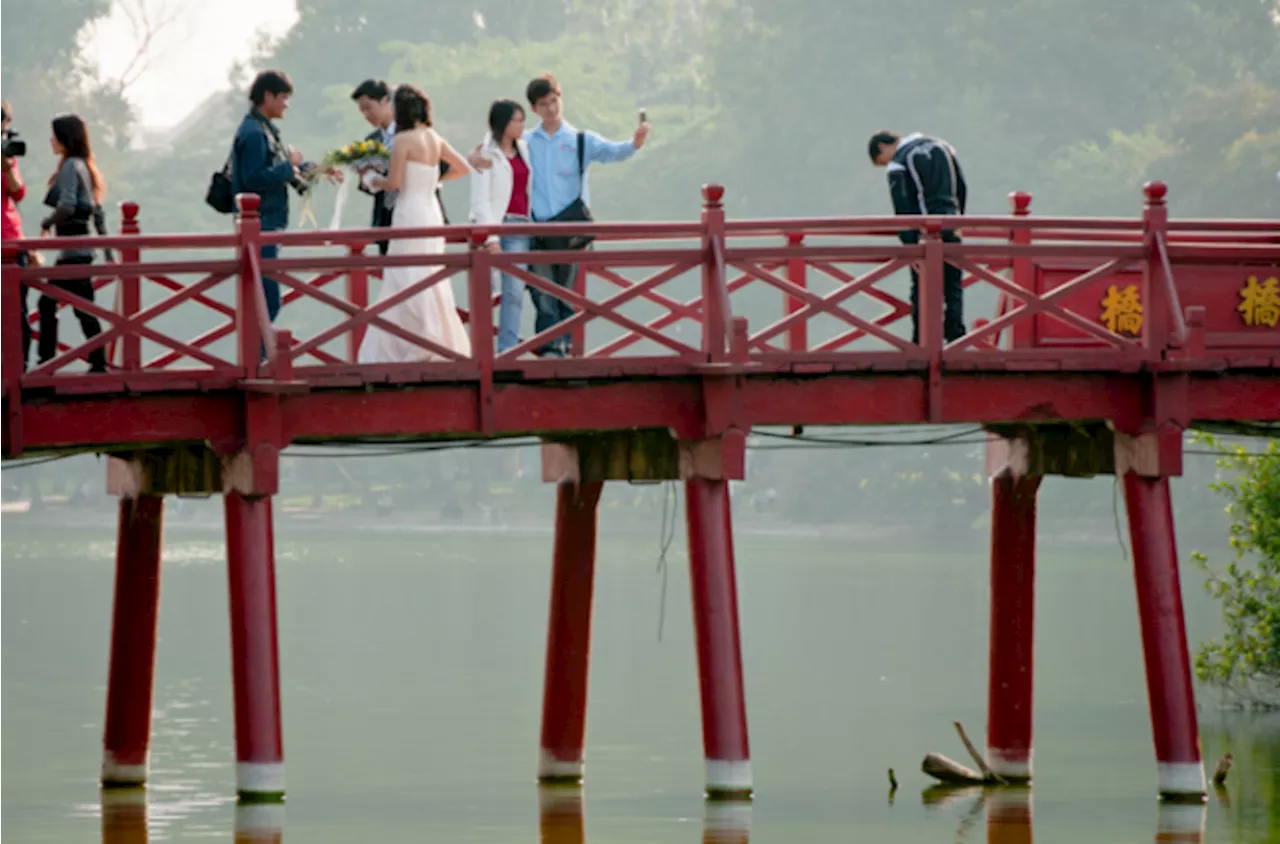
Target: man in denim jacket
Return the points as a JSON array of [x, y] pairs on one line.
[[261, 164]]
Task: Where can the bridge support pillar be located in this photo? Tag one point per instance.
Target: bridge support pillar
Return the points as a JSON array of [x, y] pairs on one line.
[[564, 696], [254, 651], [715, 622], [135, 612], [1164, 637], [1011, 660]]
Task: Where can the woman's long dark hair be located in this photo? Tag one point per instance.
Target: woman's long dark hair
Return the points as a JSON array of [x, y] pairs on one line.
[[501, 113], [413, 107], [71, 131]]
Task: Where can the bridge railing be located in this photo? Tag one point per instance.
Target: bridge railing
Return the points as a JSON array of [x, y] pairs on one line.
[[188, 311]]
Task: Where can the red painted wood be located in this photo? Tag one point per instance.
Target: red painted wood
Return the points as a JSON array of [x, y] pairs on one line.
[[1164, 633], [134, 616], [255, 667], [1064, 363], [715, 622], [1012, 632], [564, 695]]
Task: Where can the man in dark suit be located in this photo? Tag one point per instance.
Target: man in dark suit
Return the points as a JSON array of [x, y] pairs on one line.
[[374, 100], [373, 97]]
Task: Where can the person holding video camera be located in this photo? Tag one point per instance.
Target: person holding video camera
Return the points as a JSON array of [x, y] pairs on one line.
[[14, 192], [76, 191], [261, 164]]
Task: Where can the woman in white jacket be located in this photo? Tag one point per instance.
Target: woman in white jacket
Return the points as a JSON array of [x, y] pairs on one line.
[[501, 194]]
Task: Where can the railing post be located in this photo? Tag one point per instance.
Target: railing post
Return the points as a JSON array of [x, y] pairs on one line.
[[929, 293], [248, 287], [480, 302], [357, 295], [578, 335], [130, 358], [1024, 274], [1155, 295], [715, 296], [798, 334], [13, 356]]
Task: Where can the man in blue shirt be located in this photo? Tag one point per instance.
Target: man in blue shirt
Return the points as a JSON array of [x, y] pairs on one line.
[[553, 148], [261, 164]]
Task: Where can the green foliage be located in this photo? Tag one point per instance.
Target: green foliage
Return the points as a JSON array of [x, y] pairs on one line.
[[1245, 661]]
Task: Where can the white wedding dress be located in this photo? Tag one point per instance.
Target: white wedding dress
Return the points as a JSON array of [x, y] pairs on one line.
[[431, 313]]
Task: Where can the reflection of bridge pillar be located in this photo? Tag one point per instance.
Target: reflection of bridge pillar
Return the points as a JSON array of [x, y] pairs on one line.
[[124, 816], [560, 815], [1180, 824], [259, 823], [1009, 816], [726, 823], [1146, 462], [715, 624], [254, 651], [564, 695], [1013, 566], [135, 611]]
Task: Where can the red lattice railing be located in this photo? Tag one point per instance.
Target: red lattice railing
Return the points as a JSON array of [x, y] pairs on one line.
[[188, 312]]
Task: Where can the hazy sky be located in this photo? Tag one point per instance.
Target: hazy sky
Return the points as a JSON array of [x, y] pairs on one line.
[[193, 54]]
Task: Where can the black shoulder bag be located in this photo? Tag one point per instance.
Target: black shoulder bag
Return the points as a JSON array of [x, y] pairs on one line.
[[221, 196], [576, 212]]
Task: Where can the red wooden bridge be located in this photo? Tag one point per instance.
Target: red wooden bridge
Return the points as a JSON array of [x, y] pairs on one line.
[[1104, 340]]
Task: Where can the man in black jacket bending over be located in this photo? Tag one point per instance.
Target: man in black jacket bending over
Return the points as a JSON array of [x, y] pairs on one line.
[[925, 178]]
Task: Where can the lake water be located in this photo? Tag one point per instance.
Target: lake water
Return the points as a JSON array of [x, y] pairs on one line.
[[412, 676]]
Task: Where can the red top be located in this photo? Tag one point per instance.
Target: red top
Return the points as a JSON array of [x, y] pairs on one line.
[[519, 203], [12, 221]]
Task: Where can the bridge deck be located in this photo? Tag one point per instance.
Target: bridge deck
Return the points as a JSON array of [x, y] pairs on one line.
[[697, 327]]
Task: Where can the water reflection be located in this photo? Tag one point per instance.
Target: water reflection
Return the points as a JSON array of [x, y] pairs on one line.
[[726, 823], [560, 815], [1181, 824], [259, 823], [124, 816], [561, 818]]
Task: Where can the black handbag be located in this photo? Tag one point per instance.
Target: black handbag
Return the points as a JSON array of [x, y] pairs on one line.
[[221, 196], [576, 212]]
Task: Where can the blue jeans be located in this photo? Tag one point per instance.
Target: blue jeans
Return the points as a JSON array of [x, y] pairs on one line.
[[512, 289], [553, 311], [271, 287]]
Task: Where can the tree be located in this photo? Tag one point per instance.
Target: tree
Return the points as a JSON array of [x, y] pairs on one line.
[[1245, 662]]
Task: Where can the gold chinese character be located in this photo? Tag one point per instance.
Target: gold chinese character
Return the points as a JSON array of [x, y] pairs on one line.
[[1260, 303], [1122, 310]]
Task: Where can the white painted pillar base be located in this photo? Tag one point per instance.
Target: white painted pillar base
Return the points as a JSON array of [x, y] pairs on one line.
[[260, 780], [729, 779], [559, 770], [116, 774], [1181, 779], [1012, 765]]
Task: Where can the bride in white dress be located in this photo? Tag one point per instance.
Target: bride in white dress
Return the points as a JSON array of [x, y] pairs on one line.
[[416, 152]]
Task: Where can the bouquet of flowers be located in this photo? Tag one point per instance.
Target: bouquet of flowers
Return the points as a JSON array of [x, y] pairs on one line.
[[359, 156]]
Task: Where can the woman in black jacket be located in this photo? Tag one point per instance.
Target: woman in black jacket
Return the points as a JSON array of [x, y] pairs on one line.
[[76, 191]]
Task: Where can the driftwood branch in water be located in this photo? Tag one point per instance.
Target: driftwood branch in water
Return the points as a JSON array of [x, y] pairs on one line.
[[949, 771], [1224, 765]]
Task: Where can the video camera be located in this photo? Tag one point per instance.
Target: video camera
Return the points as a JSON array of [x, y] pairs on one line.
[[13, 146], [10, 146]]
